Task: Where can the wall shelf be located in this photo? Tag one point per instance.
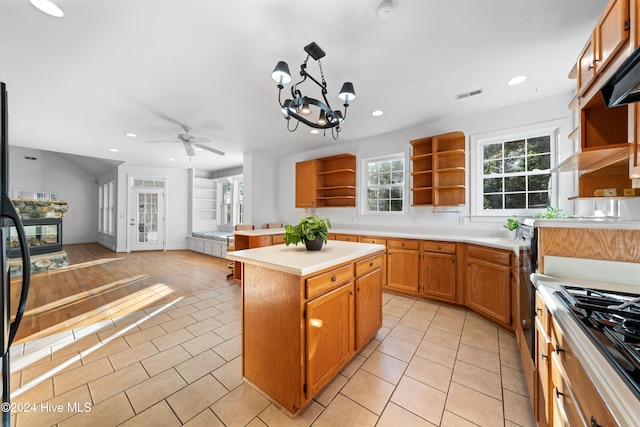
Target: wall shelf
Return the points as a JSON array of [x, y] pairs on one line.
[[326, 182]]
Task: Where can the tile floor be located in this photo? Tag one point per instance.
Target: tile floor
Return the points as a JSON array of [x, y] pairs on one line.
[[180, 364]]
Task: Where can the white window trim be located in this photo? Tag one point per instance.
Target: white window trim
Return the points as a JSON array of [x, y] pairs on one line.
[[559, 131], [363, 179]]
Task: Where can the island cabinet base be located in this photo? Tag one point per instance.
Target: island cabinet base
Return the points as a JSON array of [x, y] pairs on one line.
[[300, 331]]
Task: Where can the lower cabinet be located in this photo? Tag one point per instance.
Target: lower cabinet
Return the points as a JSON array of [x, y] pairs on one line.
[[368, 301], [439, 270], [378, 241], [403, 265], [330, 335], [489, 283]]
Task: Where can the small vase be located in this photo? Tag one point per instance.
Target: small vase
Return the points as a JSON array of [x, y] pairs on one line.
[[314, 245]]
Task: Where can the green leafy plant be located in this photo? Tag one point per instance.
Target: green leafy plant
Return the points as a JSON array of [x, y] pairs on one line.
[[308, 228], [551, 213], [512, 223]]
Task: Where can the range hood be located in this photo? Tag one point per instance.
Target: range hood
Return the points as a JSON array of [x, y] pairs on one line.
[[624, 86]]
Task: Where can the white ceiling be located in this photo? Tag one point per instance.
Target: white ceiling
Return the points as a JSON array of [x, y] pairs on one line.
[[78, 83]]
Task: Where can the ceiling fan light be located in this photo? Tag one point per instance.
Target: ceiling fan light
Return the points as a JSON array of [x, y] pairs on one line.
[[347, 93], [281, 73]]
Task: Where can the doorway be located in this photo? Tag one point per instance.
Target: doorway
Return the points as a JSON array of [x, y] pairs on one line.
[[146, 216]]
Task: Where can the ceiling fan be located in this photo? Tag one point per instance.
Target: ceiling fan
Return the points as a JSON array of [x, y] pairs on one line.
[[189, 142]]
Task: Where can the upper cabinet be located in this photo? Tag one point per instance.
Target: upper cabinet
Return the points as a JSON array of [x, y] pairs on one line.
[[605, 133], [326, 182], [608, 37], [439, 170]]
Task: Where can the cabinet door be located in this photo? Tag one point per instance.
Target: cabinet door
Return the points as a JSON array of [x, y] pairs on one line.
[[543, 352], [306, 184], [612, 32], [368, 306], [403, 270], [378, 241], [439, 276], [489, 290], [329, 328], [586, 69]]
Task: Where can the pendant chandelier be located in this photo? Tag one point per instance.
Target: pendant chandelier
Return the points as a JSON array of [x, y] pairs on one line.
[[313, 112]]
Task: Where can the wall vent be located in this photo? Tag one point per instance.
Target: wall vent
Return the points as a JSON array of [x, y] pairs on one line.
[[468, 94], [30, 158]]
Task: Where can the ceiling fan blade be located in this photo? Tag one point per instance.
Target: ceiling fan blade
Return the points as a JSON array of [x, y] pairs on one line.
[[213, 150], [189, 149], [164, 140], [199, 139]]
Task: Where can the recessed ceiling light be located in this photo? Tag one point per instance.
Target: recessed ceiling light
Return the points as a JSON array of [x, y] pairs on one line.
[[48, 7], [131, 134], [115, 150], [377, 113], [315, 131], [516, 80], [172, 160]]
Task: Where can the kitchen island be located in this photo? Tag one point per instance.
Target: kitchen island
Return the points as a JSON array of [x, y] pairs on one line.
[[305, 314]]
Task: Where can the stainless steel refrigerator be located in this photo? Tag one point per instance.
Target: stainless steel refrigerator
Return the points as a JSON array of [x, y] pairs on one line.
[[9, 218]]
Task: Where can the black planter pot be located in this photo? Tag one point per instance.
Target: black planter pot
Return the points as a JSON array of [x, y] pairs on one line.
[[314, 245]]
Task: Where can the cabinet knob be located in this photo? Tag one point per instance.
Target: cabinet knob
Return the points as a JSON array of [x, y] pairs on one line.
[[439, 247], [371, 264], [334, 278], [402, 245], [594, 422]]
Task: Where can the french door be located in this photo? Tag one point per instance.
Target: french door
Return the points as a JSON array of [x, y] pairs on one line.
[[146, 224]]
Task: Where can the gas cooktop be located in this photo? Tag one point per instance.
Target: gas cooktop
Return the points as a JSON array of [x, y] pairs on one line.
[[612, 321]]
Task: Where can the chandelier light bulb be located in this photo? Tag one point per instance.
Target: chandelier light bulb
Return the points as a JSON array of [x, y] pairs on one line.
[[305, 109], [322, 120]]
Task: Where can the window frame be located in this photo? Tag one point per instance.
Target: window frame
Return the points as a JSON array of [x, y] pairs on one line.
[[364, 184], [555, 129], [106, 208]]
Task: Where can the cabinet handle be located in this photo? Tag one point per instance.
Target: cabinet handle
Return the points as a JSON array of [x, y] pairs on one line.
[[439, 247], [453, 260], [371, 264], [402, 245], [544, 356], [334, 278], [558, 349], [594, 422], [538, 310], [557, 392]]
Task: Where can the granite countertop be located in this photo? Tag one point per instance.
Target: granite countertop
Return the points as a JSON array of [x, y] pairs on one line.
[[297, 260], [618, 396]]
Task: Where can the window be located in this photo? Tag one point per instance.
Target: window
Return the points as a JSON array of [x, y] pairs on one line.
[[514, 172], [386, 189], [232, 201], [106, 208]]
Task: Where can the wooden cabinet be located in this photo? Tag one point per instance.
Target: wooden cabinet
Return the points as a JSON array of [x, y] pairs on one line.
[[439, 170], [298, 332], [610, 34], [565, 395], [326, 182], [439, 270], [368, 299], [347, 237], [378, 241], [329, 329], [403, 265], [306, 184], [488, 287]]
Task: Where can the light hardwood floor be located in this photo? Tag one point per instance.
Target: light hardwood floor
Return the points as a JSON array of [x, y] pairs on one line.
[[100, 284]]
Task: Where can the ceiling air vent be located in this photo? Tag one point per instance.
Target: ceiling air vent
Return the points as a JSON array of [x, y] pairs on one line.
[[468, 94]]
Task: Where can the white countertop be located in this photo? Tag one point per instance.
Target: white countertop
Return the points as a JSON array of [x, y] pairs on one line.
[[494, 242], [260, 232], [297, 260], [620, 399], [585, 223]]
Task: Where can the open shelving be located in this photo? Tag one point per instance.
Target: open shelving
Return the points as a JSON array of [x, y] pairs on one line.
[[326, 182], [439, 170]]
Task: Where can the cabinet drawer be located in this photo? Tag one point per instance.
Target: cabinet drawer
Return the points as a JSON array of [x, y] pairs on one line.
[[441, 247], [318, 285], [347, 237], [367, 265], [277, 239], [565, 411], [542, 313], [403, 244], [495, 256], [373, 240]]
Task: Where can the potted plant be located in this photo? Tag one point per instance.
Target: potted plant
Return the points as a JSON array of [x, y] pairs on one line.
[[312, 230], [512, 225]]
